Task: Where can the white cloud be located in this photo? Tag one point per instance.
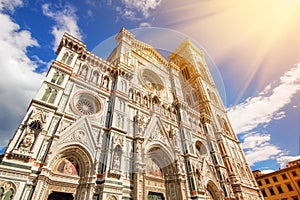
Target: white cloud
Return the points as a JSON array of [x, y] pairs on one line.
[[18, 81], [143, 6], [10, 5], [257, 148], [137, 9], [65, 19], [265, 107], [145, 25], [253, 140], [283, 160]]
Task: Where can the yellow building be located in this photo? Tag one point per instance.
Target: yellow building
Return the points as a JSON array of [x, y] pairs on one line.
[[283, 184]]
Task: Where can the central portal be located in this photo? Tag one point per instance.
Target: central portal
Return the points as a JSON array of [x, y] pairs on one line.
[[60, 196], [160, 177]]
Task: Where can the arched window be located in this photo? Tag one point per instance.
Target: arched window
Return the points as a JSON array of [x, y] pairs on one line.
[[60, 79], [65, 56], [7, 191], [69, 60], [46, 94], [146, 101], [1, 192], [9, 194], [53, 96], [49, 95], [138, 97], [130, 94], [123, 86], [55, 76]]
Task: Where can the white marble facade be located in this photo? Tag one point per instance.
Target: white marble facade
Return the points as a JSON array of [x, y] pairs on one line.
[[134, 126]]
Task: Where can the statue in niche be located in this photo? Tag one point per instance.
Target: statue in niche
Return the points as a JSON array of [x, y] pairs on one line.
[[199, 180], [28, 139], [138, 148], [179, 166], [116, 162], [141, 122], [172, 132]]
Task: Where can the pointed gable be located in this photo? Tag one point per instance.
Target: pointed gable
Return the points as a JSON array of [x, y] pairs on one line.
[[79, 133]]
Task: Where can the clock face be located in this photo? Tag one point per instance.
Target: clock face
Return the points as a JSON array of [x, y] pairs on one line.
[[151, 80]]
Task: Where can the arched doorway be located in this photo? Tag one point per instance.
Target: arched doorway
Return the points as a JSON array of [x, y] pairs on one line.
[[68, 177], [212, 192], [160, 177]]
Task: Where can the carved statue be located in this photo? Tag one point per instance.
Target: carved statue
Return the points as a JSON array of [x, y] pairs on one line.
[[141, 121], [116, 160], [179, 166], [27, 140]]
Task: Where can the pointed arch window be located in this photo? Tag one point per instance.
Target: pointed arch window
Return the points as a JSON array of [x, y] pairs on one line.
[[9, 194], [49, 95], [123, 86], [7, 191], [67, 58], [46, 94], [60, 79], [52, 96], [55, 76]]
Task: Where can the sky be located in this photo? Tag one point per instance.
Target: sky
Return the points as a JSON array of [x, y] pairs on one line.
[[255, 46]]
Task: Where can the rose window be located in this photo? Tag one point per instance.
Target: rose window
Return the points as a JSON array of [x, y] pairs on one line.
[[151, 80], [85, 107], [86, 104]]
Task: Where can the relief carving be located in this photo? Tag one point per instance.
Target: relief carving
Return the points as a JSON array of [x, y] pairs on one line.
[[141, 122]]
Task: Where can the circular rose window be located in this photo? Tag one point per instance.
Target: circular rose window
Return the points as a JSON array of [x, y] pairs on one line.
[[86, 104], [151, 80]]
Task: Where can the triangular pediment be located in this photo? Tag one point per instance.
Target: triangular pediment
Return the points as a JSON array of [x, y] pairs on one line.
[[147, 51], [79, 133], [156, 131]]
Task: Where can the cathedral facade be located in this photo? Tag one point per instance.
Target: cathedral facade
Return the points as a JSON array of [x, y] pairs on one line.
[[133, 126]]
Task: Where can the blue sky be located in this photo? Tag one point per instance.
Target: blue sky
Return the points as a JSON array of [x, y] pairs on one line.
[[255, 45]]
